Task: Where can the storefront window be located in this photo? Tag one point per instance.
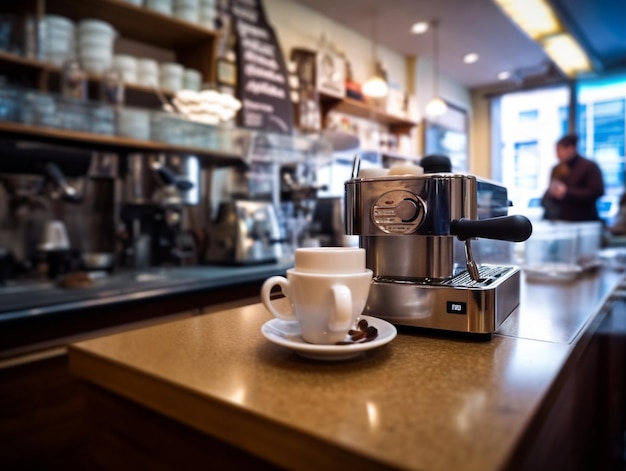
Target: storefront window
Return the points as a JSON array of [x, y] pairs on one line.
[[602, 123], [528, 124]]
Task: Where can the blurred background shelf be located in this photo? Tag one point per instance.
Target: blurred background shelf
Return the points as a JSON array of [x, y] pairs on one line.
[[134, 22], [113, 143], [397, 124], [137, 94]]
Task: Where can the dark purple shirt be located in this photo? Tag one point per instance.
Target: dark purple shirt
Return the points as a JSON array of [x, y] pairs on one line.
[[584, 187]]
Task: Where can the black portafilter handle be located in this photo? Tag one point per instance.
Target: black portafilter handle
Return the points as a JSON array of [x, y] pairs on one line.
[[168, 177], [55, 174], [515, 228]]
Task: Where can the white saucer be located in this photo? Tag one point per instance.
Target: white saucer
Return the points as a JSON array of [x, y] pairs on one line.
[[287, 334]]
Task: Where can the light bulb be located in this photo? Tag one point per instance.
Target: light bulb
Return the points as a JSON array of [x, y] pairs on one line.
[[436, 107], [419, 28], [375, 87], [470, 58]]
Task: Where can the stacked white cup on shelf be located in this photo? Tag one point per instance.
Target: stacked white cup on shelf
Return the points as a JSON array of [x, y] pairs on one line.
[[161, 6], [207, 14], [148, 72], [127, 66], [187, 10], [192, 80], [171, 76], [95, 45], [58, 39]]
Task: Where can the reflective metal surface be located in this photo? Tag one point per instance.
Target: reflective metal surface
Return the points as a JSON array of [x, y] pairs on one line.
[[458, 304], [407, 226], [410, 257]]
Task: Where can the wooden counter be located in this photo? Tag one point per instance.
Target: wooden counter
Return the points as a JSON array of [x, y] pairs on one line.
[[425, 401]]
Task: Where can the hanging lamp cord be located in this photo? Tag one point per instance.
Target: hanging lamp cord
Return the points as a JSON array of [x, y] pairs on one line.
[[374, 37], [435, 24]]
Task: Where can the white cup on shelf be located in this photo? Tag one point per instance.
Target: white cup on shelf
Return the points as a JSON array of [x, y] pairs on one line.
[[161, 6], [147, 66], [187, 10], [95, 45], [58, 40], [147, 72], [96, 27], [127, 65], [192, 80], [171, 76]]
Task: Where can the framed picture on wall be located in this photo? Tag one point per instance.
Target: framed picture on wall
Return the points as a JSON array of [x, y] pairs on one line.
[[448, 135]]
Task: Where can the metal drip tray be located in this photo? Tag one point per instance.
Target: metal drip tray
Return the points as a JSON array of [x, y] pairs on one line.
[[488, 276], [457, 304]]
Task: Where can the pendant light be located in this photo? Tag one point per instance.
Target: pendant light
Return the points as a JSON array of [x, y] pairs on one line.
[[376, 86], [436, 107]]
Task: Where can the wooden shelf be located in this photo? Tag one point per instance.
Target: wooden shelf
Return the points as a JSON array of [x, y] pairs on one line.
[[111, 143], [13, 59], [135, 22], [397, 125], [9, 61]]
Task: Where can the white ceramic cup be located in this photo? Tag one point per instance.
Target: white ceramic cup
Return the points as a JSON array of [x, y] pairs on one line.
[[327, 289]]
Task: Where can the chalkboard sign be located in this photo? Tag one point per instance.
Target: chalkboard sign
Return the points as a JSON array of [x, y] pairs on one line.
[[262, 84]]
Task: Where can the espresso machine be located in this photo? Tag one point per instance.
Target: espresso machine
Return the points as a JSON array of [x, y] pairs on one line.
[[156, 191], [410, 226], [40, 186]]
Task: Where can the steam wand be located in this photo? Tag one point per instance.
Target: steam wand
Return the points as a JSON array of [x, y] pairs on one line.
[[472, 266]]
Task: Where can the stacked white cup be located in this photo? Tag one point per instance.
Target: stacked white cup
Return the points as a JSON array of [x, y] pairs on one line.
[[171, 76], [162, 6], [187, 10], [95, 45], [127, 65], [58, 43], [148, 72], [207, 13], [192, 80]]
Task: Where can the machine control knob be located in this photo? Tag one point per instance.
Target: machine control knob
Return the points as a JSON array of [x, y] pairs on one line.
[[398, 212], [407, 210]]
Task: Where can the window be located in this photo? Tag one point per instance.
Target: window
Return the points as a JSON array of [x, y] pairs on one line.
[[528, 125], [601, 106]]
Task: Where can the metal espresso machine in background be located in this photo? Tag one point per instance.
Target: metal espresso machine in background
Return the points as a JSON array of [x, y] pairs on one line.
[[156, 191], [59, 211], [408, 226]]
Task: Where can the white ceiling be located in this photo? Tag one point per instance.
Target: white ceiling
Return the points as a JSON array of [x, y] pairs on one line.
[[464, 26]]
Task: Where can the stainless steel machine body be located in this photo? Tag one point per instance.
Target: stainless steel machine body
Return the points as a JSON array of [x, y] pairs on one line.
[[245, 232], [408, 224]]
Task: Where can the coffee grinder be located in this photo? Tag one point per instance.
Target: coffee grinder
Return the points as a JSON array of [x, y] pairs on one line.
[[408, 225]]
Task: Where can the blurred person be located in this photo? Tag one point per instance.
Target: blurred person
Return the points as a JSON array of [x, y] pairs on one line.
[[575, 185]]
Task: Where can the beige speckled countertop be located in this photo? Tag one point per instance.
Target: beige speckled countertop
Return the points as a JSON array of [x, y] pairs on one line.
[[423, 401]]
